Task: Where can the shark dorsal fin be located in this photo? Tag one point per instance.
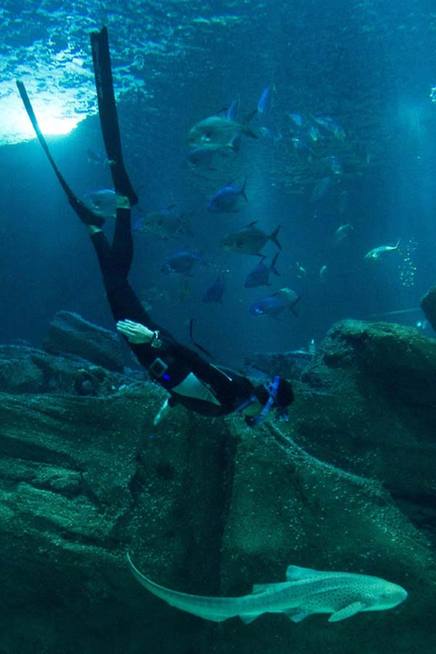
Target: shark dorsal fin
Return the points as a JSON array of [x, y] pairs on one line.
[[295, 573]]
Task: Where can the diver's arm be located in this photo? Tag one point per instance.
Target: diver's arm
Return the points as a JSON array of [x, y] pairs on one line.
[[136, 333]]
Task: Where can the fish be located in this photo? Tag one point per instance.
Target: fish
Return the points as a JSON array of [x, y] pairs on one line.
[[220, 132], [180, 262], [323, 271], [300, 270], [320, 189], [204, 157], [305, 592], [102, 202], [275, 304], [264, 103], [166, 223], [215, 292], [226, 199], [332, 126], [297, 119], [343, 232], [376, 253], [250, 239], [98, 158], [259, 276]]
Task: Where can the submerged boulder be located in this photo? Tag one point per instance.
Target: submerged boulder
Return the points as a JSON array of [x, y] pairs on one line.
[[428, 305], [209, 506], [69, 333]]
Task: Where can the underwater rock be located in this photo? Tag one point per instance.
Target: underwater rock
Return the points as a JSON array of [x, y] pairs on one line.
[[286, 364], [69, 333], [29, 370], [428, 305]]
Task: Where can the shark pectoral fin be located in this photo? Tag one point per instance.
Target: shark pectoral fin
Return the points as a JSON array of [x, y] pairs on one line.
[[347, 612], [249, 617], [296, 615]]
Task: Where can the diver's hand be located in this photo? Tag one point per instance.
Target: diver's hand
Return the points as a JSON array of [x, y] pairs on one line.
[[135, 332]]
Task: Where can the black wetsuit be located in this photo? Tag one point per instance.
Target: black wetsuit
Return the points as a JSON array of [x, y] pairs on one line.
[[229, 388]]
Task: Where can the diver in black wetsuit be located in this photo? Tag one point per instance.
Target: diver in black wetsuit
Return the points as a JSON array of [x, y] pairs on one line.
[[189, 379]]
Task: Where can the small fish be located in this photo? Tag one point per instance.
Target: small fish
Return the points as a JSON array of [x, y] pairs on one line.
[[334, 164], [305, 592], [215, 292], [220, 132], [264, 103], [180, 262], [297, 119], [330, 125], [102, 202], [259, 276], [343, 232], [323, 273], [320, 189], [226, 199], [97, 158], [314, 134], [166, 223], [275, 304], [376, 253], [250, 239], [300, 270]]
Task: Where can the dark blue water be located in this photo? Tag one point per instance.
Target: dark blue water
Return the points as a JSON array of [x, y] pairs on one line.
[[368, 66]]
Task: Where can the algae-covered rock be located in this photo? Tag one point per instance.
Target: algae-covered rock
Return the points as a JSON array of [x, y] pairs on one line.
[[428, 305], [69, 333], [211, 507]]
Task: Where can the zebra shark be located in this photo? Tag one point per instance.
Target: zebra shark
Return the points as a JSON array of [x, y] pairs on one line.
[[305, 592]]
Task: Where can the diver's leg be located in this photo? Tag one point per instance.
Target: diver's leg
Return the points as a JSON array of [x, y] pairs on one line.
[[122, 244], [108, 114], [123, 301]]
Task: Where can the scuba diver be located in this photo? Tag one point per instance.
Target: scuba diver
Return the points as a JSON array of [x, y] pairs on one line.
[[189, 378]]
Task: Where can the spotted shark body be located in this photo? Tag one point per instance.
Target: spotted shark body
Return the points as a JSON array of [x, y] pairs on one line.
[[306, 592]]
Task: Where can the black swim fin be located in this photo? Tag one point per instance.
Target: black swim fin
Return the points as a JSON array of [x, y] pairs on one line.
[[85, 214], [108, 114]]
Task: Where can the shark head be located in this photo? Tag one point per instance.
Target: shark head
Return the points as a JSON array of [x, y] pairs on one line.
[[387, 596]]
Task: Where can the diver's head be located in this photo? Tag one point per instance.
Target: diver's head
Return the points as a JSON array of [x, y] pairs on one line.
[[277, 395]]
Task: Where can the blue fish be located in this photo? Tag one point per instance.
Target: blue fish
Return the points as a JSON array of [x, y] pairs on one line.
[[297, 119], [259, 276], [274, 304], [215, 292], [180, 262], [264, 103], [233, 110], [227, 198]]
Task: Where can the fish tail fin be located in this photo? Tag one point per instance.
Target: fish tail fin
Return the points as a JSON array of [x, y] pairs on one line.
[[243, 193], [293, 309], [397, 244], [273, 237], [273, 265], [247, 130]]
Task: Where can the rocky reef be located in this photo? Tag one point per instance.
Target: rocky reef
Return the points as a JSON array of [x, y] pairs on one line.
[[208, 506]]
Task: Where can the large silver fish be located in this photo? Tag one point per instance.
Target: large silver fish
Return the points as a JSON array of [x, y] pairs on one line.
[[250, 239]]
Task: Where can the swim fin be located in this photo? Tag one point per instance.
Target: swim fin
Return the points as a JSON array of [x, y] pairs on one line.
[[85, 214], [108, 114]]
